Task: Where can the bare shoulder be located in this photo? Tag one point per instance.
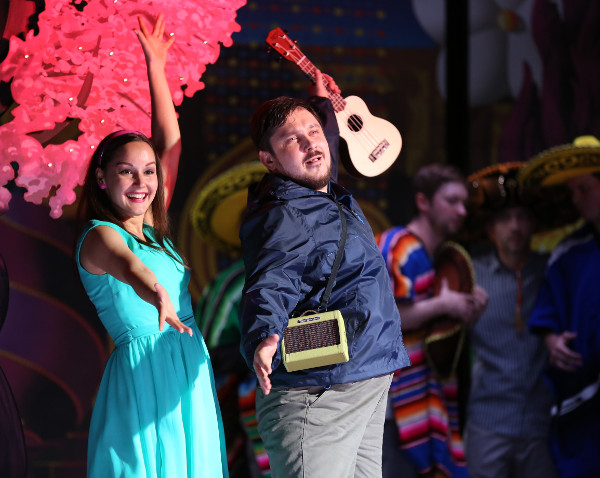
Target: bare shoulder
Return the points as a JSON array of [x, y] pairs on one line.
[[98, 246], [102, 235]]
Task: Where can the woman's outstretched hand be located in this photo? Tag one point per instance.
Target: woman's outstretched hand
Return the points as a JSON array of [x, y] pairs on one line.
[[155, 49], [166, 312]]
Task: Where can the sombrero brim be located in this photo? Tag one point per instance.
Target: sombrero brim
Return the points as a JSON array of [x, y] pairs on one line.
[[453, 264], [495, 170], [445, 336], [216, 214], [556, 165]]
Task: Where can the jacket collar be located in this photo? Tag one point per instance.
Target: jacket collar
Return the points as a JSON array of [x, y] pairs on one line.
[[273, 186]]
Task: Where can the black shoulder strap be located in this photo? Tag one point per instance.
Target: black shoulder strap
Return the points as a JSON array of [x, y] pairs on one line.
[[336, 262]]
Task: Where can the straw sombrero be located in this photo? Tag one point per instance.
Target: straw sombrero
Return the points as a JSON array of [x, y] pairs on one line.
[[217, 211], [555, 165]]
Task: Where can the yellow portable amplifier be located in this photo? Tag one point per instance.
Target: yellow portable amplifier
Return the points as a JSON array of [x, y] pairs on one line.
[[314, 341]]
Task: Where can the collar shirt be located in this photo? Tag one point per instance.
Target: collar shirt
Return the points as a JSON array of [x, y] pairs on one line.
[[508, 393]]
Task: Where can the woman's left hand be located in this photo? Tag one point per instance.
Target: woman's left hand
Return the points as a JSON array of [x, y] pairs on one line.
[[166, 312]]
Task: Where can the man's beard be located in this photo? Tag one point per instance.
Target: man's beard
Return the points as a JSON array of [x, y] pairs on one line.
[[315, 183]]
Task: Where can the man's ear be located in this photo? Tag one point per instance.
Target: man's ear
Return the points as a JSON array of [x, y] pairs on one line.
[[422, 202], [267, 160]]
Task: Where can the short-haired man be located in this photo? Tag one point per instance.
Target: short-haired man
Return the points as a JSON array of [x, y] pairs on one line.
[[426, 432], [325, 421], [508, 412]]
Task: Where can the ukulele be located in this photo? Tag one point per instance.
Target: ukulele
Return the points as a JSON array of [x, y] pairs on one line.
[[373, 143]]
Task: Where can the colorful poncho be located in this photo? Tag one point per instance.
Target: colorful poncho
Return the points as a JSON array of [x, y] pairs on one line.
[[425, 409]]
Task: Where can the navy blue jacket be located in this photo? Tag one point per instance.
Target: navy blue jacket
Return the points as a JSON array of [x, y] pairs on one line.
[[290, 236]]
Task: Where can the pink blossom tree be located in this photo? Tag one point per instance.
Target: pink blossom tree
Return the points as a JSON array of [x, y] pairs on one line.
[[86, 66]]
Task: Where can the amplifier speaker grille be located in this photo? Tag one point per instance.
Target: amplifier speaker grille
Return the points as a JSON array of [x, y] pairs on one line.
[[314, 341], [311, 336]]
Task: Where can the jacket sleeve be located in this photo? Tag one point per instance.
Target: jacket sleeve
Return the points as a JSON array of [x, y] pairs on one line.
[[545, 316], [276, 245], [324, 109]]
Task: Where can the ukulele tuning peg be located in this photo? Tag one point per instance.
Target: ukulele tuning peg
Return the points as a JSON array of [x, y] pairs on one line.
[[285, 31], [269, 50]]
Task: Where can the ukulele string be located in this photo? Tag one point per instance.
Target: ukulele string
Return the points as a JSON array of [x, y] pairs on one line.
[[364, 136]]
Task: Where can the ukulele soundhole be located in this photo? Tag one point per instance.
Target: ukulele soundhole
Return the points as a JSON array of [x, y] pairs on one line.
[[355, 123]]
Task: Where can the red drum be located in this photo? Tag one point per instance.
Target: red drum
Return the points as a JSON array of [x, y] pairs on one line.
[[445, 336]]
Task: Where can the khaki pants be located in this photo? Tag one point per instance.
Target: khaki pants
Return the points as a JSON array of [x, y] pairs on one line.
[[314, 432]]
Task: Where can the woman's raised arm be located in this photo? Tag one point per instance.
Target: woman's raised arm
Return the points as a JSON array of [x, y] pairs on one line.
[[166, 136]]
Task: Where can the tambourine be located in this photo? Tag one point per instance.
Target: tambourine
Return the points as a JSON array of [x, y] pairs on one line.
[[445, 336]]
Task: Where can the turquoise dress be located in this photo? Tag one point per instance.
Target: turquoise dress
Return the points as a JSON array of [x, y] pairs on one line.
[[156, 413]]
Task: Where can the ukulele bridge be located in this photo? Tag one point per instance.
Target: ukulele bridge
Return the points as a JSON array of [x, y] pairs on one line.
[[379, 150]]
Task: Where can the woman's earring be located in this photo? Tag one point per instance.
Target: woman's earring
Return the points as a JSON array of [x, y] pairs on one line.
[[102, 186]]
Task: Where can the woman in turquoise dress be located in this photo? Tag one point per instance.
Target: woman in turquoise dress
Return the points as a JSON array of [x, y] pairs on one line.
[[156, 413]]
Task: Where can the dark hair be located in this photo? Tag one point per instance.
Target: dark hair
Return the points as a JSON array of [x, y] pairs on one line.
[[271, 115], [95, 203], [432, 177]]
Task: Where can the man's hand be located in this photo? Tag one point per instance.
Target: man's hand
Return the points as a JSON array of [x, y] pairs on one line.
[[263, 358], [561, 356], [321, 84], [460, 305]]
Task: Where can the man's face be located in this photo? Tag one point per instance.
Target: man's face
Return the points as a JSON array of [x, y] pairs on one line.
[[447, 209], [585, 195], [300, 151], [511, 229]]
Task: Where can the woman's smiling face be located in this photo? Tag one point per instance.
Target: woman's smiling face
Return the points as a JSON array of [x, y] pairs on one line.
[[131, 179]]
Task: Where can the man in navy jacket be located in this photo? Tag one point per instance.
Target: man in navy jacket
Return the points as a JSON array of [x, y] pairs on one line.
[[324, 421]]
